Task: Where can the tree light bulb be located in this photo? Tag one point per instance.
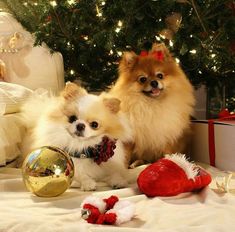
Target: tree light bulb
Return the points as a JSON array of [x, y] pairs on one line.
[[118, 29], [157, 38], [177, 60], [214, 68], [71, 2], [212, 55], [103, 3], [72, 72], [200, 72], [171, 43], [119, 23], [53, 3], [99, 14], [194, 51], [163, 36], [111, 52], [119, 53]]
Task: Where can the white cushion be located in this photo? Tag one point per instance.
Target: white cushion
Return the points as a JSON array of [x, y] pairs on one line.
[[12, 96]]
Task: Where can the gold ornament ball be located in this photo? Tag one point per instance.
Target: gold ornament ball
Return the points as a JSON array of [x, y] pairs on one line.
[[173, 21], [48, 171]]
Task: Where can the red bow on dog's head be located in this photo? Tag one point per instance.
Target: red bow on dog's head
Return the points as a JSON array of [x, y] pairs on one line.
[[158, 55]]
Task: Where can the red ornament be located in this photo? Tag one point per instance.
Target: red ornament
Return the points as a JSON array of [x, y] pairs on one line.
[[48, 19], [231, 6], [224, 113], [171, 176], [232, 47]]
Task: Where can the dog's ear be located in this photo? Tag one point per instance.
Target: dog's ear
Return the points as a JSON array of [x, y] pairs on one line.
[[128, 61], [72, 91], [161, 47], [113, 104]]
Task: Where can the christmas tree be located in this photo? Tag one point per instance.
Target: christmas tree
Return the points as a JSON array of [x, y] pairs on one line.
[[92, 35]]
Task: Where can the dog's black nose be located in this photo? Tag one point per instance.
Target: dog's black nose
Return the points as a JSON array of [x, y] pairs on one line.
[[80, 126], [154, 84]]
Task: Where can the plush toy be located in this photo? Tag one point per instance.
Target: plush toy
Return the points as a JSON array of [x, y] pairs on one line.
[[110, 211], [172, 175]]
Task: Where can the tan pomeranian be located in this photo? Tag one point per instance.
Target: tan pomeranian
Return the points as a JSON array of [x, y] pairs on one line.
[[158, 99], [90, 128]]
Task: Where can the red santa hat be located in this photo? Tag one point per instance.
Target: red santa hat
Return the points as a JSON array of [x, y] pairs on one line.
[[172, 175]]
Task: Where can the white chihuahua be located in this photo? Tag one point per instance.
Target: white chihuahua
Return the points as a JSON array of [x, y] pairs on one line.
[[90, 128]]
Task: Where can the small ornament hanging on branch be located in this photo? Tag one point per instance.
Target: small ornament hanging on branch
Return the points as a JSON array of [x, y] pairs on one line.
[[231, 6], [2, 70], [232, 47], [173, 22], [48, 18]]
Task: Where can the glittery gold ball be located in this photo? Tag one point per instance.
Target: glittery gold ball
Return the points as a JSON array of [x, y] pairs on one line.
[[48, 171]]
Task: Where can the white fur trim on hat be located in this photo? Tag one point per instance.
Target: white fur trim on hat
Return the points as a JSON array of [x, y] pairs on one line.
[[190, 169]]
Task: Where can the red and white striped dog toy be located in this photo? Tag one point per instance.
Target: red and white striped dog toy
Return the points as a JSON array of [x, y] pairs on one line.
[[110, 211]]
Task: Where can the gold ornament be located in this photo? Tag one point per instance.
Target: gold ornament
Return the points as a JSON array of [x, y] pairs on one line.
[[48, 171], [173, 21]]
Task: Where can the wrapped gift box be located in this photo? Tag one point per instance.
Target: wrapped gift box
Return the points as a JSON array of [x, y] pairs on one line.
[[224, 143]]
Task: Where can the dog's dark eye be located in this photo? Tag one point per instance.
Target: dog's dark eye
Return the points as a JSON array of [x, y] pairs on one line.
[[159, 75], [142, 79], [72, 118], [94, 125]]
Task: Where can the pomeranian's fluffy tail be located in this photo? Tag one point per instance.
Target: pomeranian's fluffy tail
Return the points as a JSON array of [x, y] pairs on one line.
[[37, 103]]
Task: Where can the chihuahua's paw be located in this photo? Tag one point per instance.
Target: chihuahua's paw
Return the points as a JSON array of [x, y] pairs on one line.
[[136, 164], [75, 184], [88, 185], [117, 182]]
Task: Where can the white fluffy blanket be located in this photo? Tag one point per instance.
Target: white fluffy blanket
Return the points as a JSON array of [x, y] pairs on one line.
[[207, 211]]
